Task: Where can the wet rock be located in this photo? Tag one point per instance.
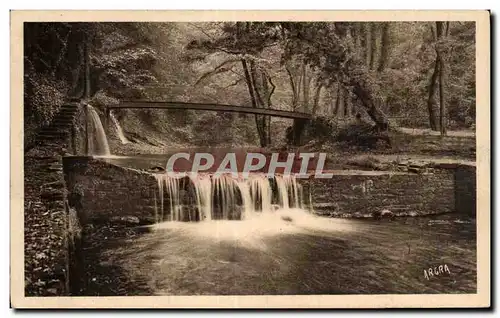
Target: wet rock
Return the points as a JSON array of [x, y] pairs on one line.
[[357, 215], [127, 220], [54, 185], [384, 214], [52, 193], [52, 291], [286, 218], [275, 207], [54, 167], [156, 169]]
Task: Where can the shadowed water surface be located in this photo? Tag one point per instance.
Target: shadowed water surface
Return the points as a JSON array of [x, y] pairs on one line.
[[291, 252]]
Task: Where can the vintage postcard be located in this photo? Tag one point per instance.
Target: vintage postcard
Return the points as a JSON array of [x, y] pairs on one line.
[[250, 159]]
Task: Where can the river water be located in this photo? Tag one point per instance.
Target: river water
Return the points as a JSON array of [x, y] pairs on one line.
[[286, 252]]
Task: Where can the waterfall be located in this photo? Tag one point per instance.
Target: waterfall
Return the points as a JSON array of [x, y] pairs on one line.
[[290, 193], [224, 197], [261, 193], [203, 193], [246, 199], [119, 129], [169, 187], [98, 142]]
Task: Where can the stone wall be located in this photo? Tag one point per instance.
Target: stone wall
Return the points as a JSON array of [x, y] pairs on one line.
[[45, 225], [366, 193], [100, 191], [465, 189]]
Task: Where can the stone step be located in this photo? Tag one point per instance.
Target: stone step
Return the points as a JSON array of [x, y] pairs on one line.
[[59, 123], [70, 106], [57, 169], [56, 134], [64, 116], [53, 139], [66, 108], [54, 164], [52, 197], [56, 129]]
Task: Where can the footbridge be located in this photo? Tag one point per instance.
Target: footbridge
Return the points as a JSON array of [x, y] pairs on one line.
[[139, 104]]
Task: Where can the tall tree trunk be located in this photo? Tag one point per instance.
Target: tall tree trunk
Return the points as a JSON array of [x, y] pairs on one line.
[[86, 90], [340, 101], [358, 37], [356, 78], [294, 88], [86, 47], [384, 46], [248, 80], [368, 41], [442, 97], [442, 29], [333, 107], [317, 96], [373, 45], [431, 104], [364, 94], [348, 104], [251, 91], [305, 88]]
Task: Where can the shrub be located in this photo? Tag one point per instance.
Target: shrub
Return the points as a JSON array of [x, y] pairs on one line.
[[363, 135]]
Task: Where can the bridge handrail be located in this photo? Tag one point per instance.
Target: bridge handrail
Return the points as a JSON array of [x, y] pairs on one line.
[[210, 107]]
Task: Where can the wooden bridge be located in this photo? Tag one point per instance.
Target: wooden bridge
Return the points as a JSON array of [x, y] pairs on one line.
[[212, 107]]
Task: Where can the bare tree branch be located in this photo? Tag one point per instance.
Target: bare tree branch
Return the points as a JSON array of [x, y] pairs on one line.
[[238, 81], [217, 70]]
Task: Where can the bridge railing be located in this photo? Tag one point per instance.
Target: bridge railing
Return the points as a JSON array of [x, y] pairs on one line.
[[210, 107]]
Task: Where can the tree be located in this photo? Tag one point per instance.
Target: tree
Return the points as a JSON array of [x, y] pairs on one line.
[[243, 43], [438, 80], [306, 85], [330, 48], [384, 46]]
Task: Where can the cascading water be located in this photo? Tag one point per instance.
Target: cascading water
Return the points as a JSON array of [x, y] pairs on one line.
[[170, 187], [290, 193], [98, 142], [119, 129], [225, 197], [260, 193], [203, 192]]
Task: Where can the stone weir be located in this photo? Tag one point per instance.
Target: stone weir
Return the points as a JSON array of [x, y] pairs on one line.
[[102, 192], [440, 189]]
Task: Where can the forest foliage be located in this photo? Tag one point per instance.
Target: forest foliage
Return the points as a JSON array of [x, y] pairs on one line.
[[411, 74]]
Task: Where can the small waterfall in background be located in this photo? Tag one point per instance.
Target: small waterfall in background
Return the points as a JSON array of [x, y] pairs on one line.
[[223, 197], [119, 129], [98, 142]]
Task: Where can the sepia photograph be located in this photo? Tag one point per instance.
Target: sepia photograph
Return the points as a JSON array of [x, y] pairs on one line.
[[327, 159]]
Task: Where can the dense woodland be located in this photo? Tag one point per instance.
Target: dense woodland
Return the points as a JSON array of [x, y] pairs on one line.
[[387, 74]]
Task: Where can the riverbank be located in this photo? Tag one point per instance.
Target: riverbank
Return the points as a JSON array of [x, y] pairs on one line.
[[331, 256], [46, 221]]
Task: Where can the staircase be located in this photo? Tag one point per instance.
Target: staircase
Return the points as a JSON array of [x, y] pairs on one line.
[[46, 235], [60, 127]]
